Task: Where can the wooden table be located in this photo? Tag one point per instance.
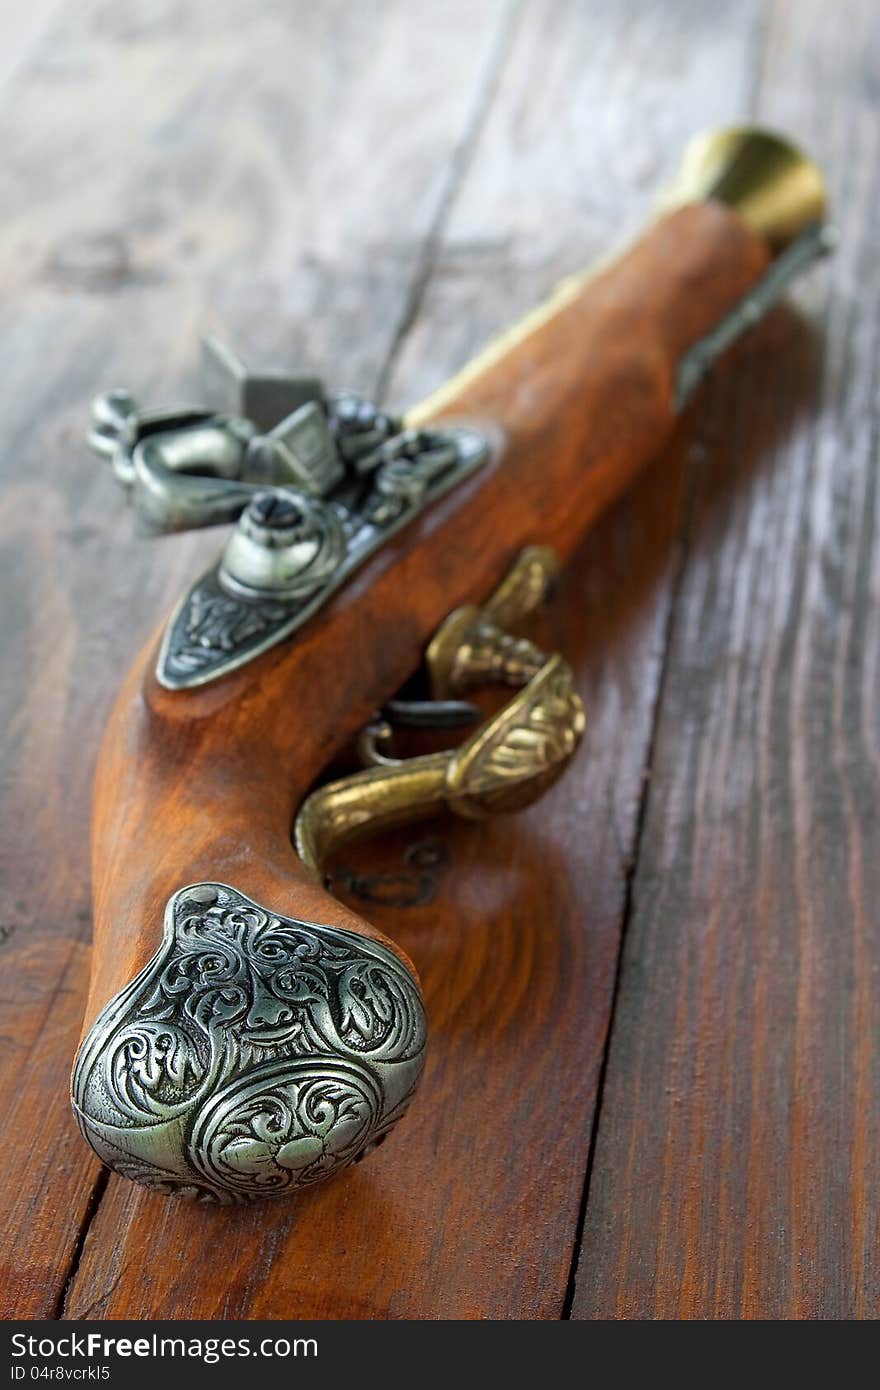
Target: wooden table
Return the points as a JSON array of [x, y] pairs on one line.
[[689, 921]]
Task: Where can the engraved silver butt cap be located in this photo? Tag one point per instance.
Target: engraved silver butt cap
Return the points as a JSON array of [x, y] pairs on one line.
[[252, 1057]]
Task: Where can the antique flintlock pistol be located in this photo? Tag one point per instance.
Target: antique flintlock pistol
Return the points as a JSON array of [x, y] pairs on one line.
[[267, 1036]]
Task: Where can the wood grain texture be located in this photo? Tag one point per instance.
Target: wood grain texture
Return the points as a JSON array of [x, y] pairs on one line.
[[736, 1165], [375, 189], [145, 188]]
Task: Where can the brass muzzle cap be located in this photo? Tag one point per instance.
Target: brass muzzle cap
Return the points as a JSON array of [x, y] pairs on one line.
[[770, 183]]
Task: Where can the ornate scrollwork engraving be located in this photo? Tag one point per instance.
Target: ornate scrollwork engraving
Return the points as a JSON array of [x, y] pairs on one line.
[[213, 624], [270, 580], [254, 1055], [519, 754]]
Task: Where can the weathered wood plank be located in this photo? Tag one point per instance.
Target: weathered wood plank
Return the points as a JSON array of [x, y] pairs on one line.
[[593, 111], [736, 1168], [453, 1218], [163, 162]]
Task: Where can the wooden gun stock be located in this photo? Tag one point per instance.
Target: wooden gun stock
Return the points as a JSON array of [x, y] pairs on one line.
[[277, 1035]]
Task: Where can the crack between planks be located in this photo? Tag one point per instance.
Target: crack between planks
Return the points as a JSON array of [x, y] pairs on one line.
[[758, 44], [459, 164], [60, 1309], [681, 547]]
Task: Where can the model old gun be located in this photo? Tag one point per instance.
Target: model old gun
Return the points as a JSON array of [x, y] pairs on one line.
[[246, 1033]]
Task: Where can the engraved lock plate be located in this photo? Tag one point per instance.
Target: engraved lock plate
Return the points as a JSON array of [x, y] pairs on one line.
[[315, 483], [290, 552]]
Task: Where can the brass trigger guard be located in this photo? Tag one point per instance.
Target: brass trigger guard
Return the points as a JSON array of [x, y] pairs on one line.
[[505, 765]]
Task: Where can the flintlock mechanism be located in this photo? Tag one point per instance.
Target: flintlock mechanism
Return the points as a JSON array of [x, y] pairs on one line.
[[272, 1036]]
